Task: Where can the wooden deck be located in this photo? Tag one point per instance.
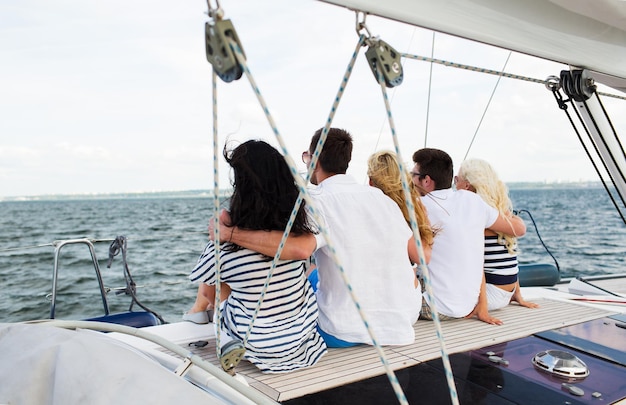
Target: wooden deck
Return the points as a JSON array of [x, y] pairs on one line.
[[342, 366]]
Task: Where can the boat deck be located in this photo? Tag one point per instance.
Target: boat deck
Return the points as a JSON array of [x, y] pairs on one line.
[[616, 285], [342, 366]]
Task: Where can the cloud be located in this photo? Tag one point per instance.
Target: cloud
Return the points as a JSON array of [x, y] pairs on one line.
[[116, 96]]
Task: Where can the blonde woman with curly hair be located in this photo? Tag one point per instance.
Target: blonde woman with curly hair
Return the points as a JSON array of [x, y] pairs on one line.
[[501, 266], [384, 173]]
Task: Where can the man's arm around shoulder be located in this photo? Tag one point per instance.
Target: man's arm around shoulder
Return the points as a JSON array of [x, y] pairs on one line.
[[297, 247], [510, 225]]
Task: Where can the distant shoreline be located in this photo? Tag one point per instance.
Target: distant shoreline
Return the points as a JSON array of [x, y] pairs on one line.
[[117, 196], [226, 193]]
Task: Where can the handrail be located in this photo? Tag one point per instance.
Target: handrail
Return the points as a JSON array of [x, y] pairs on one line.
[[58, 245]]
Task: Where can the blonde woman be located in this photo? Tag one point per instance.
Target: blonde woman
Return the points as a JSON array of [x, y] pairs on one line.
[[501, 267], [384, 173]]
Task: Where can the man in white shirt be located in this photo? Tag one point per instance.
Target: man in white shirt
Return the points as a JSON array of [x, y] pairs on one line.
[[460, 217], [374, 246]]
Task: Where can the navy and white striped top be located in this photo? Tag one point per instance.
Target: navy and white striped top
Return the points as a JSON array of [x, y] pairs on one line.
[[500, 266], [284, 336]]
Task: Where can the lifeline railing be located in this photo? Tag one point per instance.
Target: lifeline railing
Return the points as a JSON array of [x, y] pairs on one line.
[[60, 244]]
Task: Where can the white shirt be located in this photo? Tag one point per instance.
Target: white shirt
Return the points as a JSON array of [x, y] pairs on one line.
[[370, 236], [456, 264]]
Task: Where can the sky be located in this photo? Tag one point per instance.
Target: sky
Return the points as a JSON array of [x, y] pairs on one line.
[[115, 97]]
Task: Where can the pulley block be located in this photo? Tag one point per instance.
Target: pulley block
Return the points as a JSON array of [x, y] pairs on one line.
[[386, 60], [218, 51], [577, 84]]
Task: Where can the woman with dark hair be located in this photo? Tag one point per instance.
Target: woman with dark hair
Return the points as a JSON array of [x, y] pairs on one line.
[[283, 336]]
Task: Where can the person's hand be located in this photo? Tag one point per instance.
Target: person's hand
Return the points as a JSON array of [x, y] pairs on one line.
[[525, 303], [225, 231], [212, 229], [224, 218], [485, 317], [481, 312]]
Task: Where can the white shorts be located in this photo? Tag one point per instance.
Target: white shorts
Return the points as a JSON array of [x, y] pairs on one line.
[[497, 297]]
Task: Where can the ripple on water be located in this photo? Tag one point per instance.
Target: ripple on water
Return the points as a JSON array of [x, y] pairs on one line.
[[166, 237]]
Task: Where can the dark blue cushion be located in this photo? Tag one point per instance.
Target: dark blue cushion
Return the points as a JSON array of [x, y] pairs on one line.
[[538, 275], [138, 319]]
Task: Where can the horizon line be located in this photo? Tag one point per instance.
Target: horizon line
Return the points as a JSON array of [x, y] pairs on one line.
[[226, 191]]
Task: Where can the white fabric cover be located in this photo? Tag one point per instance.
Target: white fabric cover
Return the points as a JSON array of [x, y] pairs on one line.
[[48, 365]]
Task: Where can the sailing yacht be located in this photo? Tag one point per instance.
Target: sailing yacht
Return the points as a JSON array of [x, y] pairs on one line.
[[570, 350]]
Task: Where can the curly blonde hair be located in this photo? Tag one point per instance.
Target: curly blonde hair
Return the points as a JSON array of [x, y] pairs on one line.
[[484, 179], [384, 173]]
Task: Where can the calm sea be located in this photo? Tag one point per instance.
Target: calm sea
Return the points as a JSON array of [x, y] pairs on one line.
[[165, 236]]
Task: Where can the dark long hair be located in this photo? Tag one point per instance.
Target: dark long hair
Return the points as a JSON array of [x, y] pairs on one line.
[[264, 190]]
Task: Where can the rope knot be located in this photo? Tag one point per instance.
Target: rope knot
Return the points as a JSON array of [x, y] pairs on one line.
[[119, 244]]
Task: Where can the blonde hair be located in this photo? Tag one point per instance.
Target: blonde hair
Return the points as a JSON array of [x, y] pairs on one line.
[[384, 173], [484, 179]]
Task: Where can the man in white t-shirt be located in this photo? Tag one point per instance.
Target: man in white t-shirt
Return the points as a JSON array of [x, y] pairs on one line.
[[373, 243], [460, 217]]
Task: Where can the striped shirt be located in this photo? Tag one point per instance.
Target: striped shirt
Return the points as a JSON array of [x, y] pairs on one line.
[[500, 266], [284, 335]]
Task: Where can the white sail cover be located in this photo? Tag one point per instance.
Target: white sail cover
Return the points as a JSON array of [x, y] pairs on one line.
[[47, 365], [589, 34]]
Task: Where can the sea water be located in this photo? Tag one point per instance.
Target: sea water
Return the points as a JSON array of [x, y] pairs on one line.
[[165, 236]]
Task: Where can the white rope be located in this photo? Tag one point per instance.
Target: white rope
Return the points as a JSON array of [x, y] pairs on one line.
[[487, 106], [216, 213], [416, 235], [491, 72], [430, 82], [390, 373], [311, 204], [242, 62]]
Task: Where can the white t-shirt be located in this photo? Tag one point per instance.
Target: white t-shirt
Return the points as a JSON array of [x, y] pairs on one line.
[[456, 263], [370, 236]]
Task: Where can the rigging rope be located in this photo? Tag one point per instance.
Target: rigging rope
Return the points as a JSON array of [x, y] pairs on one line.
[[390, 373], [242, 62], [215, 219], [238, 53], [555, 87], [117, 246], [517, 212], [430, 82], [490, 71], [487, 106], [311, 205], [597, 151], [425, 272], [617, 140]]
